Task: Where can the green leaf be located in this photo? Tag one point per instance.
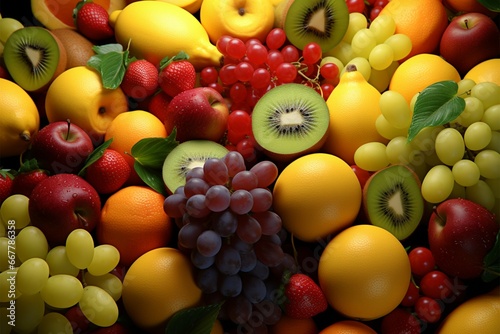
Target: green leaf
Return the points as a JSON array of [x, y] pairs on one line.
[[491, 262], [152, 177], [113, 69], [28, 166], [182, 321], [166, 61], [493, 5], [107, 48], [151, 152], [7, 173], [95, 155], [437, 104]]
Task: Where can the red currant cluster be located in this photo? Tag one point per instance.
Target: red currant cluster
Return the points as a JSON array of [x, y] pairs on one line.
[[252, 68], [370, 8]]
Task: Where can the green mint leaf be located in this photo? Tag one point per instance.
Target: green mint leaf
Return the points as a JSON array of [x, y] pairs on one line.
[[151, 152], [28, 166], [95, 62], [7, 173], [151, 177], [107, 48], [492, 5], [95, 155], [113, 69], [491, 262], [182, 321], [167, 60], [437, 104]]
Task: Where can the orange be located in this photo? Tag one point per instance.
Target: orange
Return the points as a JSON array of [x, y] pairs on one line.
[[288, 325], [486, 71], [480, 314], [467, 6], [420, 71], [130, 127], [158, 284], [364, 272], [348, 327], [133, 220], [424, 21], [316, 195]]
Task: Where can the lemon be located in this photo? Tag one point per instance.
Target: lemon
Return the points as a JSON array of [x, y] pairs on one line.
[[19, 119], [486, 71], [77, 94], [191, 6], [364, 272], [316, 195]]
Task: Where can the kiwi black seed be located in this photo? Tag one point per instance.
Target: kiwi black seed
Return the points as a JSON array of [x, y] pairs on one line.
[[290, 120], [392, 200], [186, 156], [34, 57], [322, 21]]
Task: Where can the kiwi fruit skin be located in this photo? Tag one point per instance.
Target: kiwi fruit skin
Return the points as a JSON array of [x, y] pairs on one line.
[[394, 180], [275, 104], [299, 19], [188, 155], [17, 64], [78, 47]]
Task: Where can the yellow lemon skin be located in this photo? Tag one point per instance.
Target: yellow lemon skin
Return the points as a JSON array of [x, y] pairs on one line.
[[191, 6], [158, 284], [316, 195], [486, 71], [169, 30], [19, 119], [364, 272], [77, 94], [480, 314], [243, 19]]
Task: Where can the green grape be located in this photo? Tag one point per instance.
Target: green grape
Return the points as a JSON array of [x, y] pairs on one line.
[[363, 42], [399, 151], [362, 66], [109, 282], [381, 57], [332, 59], [491, 117], [395, 109], [15, 208], [62, 291], [3, 229], [413, 101], [8, 287], [80, 248], [466, 172], [494, 185], [29, 312], [383, 27], [482, 194], [487, 92], [494, 142], [32, 276], [4, 253], [477, 136], [450, 146], [342, 51], [401, 45], [5, 327], [425, 140], [457, 192], [465, 86], [380, 79], [357, 21], [54, 322], [31, 242], [98, 306], [437, 184], [371, 156], [386, 130], [488, 162], [7, 26], [58, 262], [106, 257], [431, 158], [473, 111]]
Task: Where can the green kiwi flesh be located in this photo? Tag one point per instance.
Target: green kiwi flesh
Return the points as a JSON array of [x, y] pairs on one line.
[[322, 21], [186, 156], [392, 200], [32, 56], [289, 120]]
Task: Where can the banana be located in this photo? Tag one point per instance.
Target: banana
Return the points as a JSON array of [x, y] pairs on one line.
[[153, 30]]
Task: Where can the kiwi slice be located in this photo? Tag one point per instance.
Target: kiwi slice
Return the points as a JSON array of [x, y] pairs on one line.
[[290, 120], [34, 57], [322, 21], [186, 156], [392, 200]]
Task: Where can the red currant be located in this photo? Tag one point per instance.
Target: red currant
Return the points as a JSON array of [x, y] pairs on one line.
[[421, 261], [436, 284], [274, 58], [355, 6], [221, 43], [290, 53], [227, 74], [246, 149], [327, 89], [312, 53], [244, 71], [275, 38], [411, 296], [261, 78], [286, 72], [236, 48], [428, 309], [329, 71], [257, 54], [209, 75], [238, 92]]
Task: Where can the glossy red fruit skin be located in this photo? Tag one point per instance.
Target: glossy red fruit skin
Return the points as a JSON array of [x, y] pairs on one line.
[[109, 173], [140, 80], [421, 261], [428, 309], [398, 321], [304, 297], [177, 77], [5, 187], [158, 105], [92, 21], [25, 182], [411, 296], [437, 285]]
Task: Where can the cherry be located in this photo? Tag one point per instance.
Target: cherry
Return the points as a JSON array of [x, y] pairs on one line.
[[421, 261], [428, 309], [411, 296], [436, 284]]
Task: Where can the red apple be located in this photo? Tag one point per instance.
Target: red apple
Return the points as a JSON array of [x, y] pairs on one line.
[[62, 203], [198, 113], [468, 40], [61, 147], [461, 233]]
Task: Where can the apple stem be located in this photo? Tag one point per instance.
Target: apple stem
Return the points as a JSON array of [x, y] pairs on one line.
[[466, 21], [441, 220], [69, 124]]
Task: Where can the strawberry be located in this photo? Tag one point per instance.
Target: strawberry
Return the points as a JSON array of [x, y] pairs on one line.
[[304, 298], [108, 173], [158, 105], [140, 80], [176, 75], [24, 182], [5, 184], [92, 20]]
